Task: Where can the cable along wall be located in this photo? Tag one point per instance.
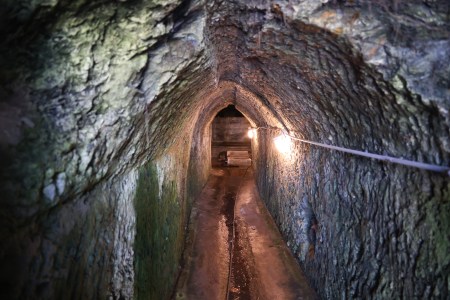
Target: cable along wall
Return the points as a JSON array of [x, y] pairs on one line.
[[360, 228]]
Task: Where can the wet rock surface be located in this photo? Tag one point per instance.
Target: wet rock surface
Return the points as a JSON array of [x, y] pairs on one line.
[[207, 249], [235, 250]]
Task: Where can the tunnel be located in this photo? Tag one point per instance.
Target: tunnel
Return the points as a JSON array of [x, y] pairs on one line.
[[107, 113], [230, 133]]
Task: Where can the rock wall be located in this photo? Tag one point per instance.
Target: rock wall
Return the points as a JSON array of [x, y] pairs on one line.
[[230, 129], [401, 39], [370, 234], [91, 103], [360, 228], [123, 239], [162, 212], [83, 249], [106, 107]]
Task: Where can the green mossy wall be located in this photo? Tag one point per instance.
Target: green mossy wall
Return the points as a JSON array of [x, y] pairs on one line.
[[160, 221]]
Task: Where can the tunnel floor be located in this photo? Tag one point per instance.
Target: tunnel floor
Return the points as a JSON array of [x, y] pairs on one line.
[[262, 266]]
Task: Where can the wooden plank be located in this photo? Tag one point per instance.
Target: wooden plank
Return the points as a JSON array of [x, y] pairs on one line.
[[238, 154], [232, 161]]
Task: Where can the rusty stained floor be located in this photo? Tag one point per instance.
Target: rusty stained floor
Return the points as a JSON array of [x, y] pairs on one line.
[[262, 266]]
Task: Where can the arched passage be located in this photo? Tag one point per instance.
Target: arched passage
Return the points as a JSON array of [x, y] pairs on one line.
[[106, 109], [229, 130]]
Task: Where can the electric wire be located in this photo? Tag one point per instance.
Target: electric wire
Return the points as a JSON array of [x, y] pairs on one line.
[[395, 160]]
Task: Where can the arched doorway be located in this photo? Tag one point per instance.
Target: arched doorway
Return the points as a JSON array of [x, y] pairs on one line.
[[230, 144]]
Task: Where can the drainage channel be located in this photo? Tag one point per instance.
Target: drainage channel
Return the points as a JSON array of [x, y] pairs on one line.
[[238, 284]]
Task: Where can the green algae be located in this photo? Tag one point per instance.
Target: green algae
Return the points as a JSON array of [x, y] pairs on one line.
[[160, 234]]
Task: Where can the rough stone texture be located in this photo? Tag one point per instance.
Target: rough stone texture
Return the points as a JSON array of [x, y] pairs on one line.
[[76, 250], [161, 219], [98, 68], [95, 94], [361, 229], [230, 129], [351, 245], [407, 39], [84, 99]]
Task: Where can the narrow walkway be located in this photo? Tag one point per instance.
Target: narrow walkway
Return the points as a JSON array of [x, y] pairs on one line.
[[262, 266]]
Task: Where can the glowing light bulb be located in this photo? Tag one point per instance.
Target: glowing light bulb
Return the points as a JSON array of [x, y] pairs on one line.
[[251, 133], [283, 143]]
